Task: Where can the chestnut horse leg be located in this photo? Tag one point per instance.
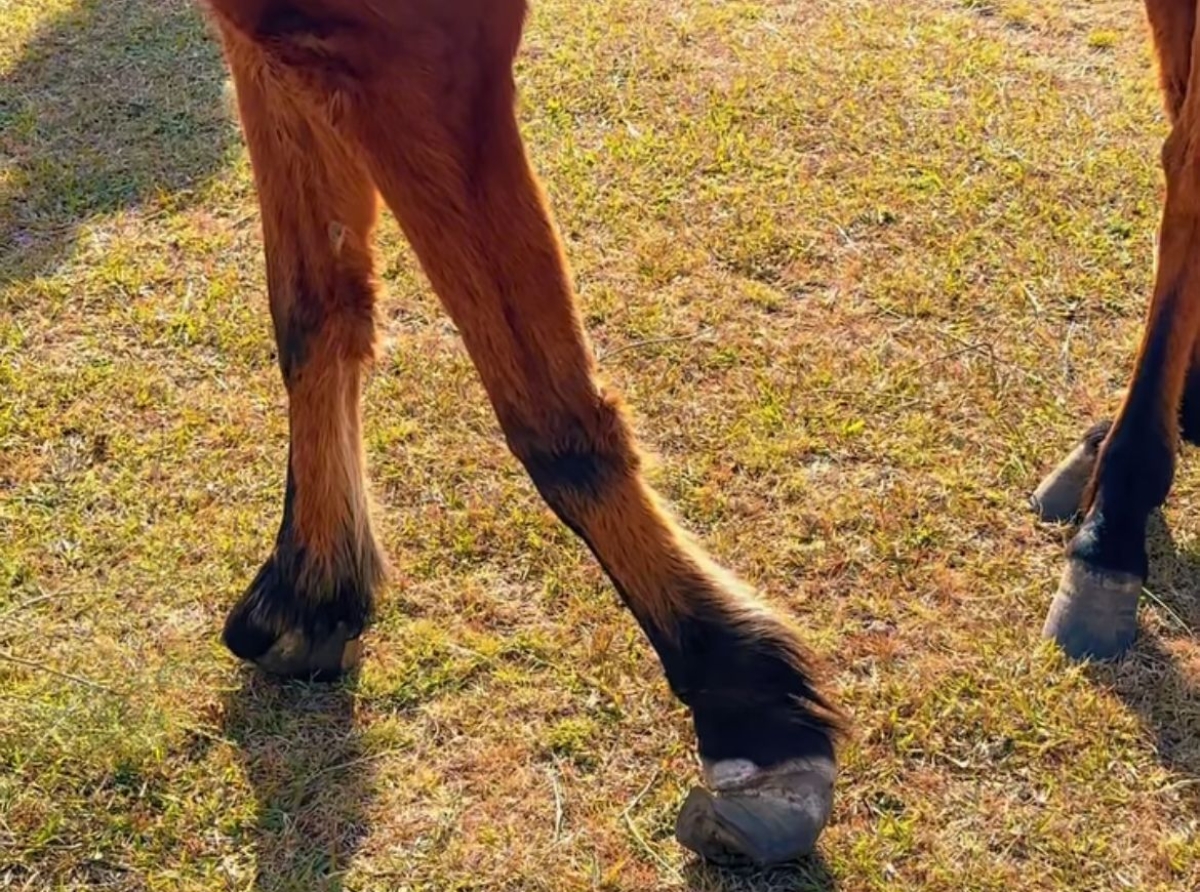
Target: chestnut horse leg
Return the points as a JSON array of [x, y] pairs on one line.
[[1094, 613], [424, 92], [303, 613]]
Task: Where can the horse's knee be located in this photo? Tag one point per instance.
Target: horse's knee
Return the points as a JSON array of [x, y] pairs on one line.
[[313, 337]]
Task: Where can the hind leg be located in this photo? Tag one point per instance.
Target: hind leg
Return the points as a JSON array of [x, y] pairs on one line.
[[303, 613]]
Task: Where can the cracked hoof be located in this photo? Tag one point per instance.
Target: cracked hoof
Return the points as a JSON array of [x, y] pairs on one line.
[[1059, 496], [766, 817], [1094, 613]]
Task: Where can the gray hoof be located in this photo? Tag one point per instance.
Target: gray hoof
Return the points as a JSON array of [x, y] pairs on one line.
[[293, 655], [1060, 495], [766, 817], [1094, 613]]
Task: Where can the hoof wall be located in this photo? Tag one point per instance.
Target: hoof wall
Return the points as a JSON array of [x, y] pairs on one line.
[[765, 817], [295, 656], [1059, 496], [1094, 613], [313, 652]]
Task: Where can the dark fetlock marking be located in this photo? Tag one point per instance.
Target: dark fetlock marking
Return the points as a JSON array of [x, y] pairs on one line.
[[573, 462], [1059, 497], [1112, 542], [746, 682], [296, 621], [740, 671], [292, 633], [561, 477], [1132, 480], [1138, 462]]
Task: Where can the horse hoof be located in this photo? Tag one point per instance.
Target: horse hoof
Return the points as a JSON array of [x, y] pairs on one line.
[[296, 635], [1059, 496], [295, 655], [1094, 613], [765, 817]]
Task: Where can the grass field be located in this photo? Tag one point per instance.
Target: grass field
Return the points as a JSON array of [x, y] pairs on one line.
[[864, 270]]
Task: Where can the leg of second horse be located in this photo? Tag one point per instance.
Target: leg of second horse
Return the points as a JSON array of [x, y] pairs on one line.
[[1094, 613]]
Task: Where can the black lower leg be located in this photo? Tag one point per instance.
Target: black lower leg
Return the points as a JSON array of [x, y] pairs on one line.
[[1132, 479], [1189, 412], [740, 669], [748, 686], [1094, 613], [302, 616]]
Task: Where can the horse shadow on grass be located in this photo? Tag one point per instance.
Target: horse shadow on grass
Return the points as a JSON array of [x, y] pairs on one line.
[[810, 875], [110, 104], [314, 783], [303, 755], [1150, 680]]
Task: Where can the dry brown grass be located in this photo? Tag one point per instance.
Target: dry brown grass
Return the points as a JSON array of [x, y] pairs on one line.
[[864, 269]]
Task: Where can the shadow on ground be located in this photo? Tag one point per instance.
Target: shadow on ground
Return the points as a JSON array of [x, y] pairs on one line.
[[1150, 680], [810, 875], [112, 104], [303, 756]]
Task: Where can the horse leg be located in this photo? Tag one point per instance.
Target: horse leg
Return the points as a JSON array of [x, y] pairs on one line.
[[1094, 613], [303, 613], [1060, 495], [425, 90]]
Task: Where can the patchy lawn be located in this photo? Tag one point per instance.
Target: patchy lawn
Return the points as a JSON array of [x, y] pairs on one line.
[[864, 270]]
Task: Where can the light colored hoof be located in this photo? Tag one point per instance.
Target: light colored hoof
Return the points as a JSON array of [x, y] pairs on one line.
[[1094, 613], [766, 817], [1060, 495], [294, 656]]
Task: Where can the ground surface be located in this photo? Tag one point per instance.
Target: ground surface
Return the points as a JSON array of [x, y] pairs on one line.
[[864, 269]]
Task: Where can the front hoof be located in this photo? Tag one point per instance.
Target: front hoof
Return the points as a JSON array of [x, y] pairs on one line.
[[295, 655], [1094, 613], [295, 635], [766, 817], [317, 653], [1059, 497]]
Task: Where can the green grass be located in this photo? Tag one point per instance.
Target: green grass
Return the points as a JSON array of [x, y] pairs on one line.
[[864, 270]]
